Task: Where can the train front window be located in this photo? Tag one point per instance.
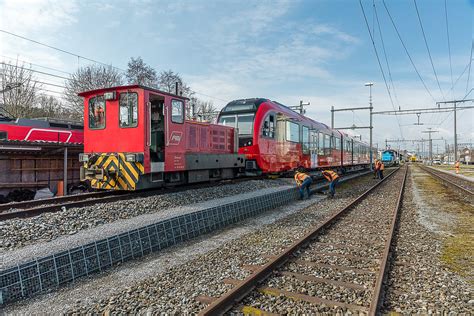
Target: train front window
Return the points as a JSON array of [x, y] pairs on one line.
[[128, 109], [97, 112], [227, 120], [244, 122]]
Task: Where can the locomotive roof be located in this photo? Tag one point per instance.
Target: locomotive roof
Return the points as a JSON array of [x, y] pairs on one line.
[[135, 86]]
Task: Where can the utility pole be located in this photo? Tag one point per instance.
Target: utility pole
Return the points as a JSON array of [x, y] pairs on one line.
[[455, 108], [300, 107], [429, 132], [370, 84]]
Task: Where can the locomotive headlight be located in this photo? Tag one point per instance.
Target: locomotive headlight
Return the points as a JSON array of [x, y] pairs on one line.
[[130, 157], [83, 157]]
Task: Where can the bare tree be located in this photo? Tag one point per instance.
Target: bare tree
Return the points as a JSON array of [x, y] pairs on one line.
[[89, 78], [18, 90], [139, 72], [167, 82]]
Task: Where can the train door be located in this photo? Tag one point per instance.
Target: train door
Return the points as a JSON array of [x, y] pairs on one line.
[[157, 133], [313, 148]]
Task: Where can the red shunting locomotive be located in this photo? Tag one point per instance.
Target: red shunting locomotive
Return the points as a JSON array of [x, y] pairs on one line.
[[137, 137]]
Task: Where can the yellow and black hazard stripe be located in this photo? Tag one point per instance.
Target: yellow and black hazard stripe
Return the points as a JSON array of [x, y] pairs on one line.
[[118, 174]]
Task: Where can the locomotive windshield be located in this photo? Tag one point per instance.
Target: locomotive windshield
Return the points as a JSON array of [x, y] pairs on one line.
[[244, 122]]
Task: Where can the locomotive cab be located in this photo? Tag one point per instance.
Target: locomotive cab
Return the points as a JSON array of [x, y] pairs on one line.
[[138, 137]]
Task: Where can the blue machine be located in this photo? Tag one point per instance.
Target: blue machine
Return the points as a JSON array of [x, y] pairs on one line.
[[390, 157]]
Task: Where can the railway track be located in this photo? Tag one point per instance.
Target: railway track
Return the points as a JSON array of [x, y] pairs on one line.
[[34, 208], [458, 183], [348, 253]]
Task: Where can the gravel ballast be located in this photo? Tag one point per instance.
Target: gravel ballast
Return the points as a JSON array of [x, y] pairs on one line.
[[17, 233], [419, 281], [171, 280]]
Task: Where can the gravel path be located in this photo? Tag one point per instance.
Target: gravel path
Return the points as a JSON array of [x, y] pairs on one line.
[[171, 280], [17, 233], [419, 282]]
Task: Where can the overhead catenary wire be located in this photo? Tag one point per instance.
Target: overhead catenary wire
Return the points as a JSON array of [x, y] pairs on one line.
[[470, 62], [60, 50], [406, 51], [386, 58], [380, 64], [36, 65], [428, 49], [449, 44]]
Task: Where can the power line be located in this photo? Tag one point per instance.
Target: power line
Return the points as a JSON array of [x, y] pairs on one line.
[[449, 44], [428, 49], [386, 58], [406, 51], [380, 64], [32, 64], [470, 62], [36, 71], [60, 50]]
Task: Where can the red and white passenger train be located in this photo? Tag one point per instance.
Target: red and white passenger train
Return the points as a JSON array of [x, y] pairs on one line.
[[137, 137]]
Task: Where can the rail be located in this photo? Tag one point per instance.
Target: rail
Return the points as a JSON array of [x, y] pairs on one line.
[[448, 179], [241, 289]]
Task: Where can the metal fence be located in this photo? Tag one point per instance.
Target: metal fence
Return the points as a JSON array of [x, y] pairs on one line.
[[47, 273]]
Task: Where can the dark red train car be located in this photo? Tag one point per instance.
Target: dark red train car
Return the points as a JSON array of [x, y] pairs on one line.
[[137, 137], [46, 130], [276, 139]]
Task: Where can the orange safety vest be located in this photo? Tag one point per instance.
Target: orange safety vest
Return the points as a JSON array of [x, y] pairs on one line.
[[300, 177], [330, 175], [456, 165], [381, 166], [377, 165]]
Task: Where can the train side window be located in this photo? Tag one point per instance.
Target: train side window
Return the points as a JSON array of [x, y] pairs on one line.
[[177, 111], [305, 139], [292, 132], [338, 143], [97, 112], [3, 135], [128, 109], [327, 141], [268, 129]]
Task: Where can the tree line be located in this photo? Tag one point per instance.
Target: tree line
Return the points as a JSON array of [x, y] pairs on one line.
[[23, 95]]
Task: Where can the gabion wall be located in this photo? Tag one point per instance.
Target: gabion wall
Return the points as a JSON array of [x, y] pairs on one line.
[[49, 272]]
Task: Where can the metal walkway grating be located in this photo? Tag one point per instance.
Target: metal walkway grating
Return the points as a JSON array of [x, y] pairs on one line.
[[47, 273]]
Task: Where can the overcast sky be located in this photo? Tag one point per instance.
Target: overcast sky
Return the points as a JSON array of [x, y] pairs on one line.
[[316, 51]]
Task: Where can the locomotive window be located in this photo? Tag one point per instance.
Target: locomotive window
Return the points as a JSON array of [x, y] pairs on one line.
[[268, 129], [305, 139], [338, 143], [177, 111], [97, 112], [128, 110], [321, 141], [3, 135]]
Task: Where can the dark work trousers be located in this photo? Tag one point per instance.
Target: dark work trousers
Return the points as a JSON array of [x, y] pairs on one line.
[[306, 184], [332, 187], [380, 174]]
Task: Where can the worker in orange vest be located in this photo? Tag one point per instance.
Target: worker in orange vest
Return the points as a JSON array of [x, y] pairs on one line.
[[303, 181], [457, 166], [376, 168], [381, 168], [333, 179]]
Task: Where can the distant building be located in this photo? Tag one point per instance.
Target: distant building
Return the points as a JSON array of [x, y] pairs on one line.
[[467, 155]]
